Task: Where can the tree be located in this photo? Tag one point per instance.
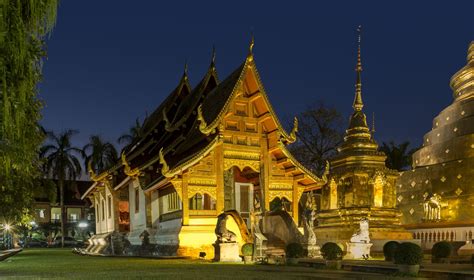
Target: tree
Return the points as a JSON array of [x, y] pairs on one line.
[[319, 133], [398, 156], [61, 163], [99, 154], [23, 28], [133, 134]]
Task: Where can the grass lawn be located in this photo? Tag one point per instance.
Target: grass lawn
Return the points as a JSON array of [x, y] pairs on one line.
[[62, 264]]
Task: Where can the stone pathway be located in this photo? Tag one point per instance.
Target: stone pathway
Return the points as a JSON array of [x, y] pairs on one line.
[[461, 271]]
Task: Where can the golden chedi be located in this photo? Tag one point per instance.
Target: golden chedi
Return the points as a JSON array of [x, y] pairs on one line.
[[360, 185], [436, 197]]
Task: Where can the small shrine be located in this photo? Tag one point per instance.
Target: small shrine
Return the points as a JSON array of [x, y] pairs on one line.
[[360, 187]]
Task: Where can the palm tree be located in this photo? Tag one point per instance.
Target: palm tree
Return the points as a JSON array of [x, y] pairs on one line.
[[134, 133], [61, 163], [398, 156], [99, 154]]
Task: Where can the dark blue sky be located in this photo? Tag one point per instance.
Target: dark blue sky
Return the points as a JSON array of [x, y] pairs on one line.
[[110, 62]]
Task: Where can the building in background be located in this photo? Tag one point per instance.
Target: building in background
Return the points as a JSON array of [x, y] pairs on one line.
[[80, 217]]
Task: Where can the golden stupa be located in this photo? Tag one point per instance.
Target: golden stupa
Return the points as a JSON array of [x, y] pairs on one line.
[[436, 197], [360, 185]]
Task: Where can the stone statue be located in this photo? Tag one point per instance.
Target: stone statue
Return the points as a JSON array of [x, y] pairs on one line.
[[256, 204], [362, 235], [432, 207], [308, 222], [223, 234]]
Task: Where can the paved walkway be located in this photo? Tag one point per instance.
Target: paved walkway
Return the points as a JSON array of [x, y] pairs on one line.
[[427, 269]]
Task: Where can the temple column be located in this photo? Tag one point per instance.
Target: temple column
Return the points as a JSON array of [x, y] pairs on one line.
[[219, 164], [265, 172], [295, 202], [185, 200]]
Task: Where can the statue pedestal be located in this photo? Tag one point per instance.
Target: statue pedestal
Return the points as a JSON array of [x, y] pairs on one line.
[[314, 251], [226, 252], [357, 250]]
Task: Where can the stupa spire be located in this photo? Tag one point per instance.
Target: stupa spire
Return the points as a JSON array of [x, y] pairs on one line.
[[358, 104]]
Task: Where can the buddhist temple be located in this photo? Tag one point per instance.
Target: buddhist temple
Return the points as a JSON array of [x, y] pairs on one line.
[[359, 186], [213, 148], [436, 197]]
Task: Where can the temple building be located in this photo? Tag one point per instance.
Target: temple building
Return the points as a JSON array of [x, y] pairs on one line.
[[359, 186], [436, 197], [212, 148]]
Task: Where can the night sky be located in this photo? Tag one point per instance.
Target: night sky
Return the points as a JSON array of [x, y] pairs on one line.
[[110, 62]]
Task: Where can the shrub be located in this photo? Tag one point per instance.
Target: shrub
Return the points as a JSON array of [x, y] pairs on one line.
[[294, 250], [331, 251], [409, 254], [247, 249], [389, 250], [441, 250]]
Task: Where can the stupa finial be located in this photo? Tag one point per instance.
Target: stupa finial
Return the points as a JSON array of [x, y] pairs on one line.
[[358, 104], [373, 122]]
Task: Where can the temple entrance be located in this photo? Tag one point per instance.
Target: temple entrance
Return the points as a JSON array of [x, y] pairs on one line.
[[123, 211], [244, 200], [241, 191]]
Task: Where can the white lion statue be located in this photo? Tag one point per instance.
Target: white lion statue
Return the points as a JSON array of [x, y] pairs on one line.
[[362, 235]]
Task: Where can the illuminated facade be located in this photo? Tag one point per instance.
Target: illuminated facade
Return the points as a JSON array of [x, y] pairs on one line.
[[437, 195], [216, 147], [360, 185]]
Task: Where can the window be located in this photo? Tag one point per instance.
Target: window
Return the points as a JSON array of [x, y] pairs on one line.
[[109, 206], [55, 214], [73, 214], [97, 211], [202, 202], [173, 201], [40, 213], [332, 195], [137, 200], [103, 210]]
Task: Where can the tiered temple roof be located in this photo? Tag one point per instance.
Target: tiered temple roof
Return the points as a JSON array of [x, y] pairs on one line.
[[185, 125]]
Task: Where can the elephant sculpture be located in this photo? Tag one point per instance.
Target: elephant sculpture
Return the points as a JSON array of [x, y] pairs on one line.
[[432, 207]]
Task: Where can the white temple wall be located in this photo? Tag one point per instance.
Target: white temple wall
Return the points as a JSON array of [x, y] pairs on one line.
[[137, 212]]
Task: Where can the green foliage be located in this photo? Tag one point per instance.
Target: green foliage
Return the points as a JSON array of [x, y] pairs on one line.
[[294, 250], [389, 250], [100, 154], [398, 156], [331, 251], [23, 28], [61, 162], [441, 249], [133, 134], [247, 249], [409, 254], [319, 133]]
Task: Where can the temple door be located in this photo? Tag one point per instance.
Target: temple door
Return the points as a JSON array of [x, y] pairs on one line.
[[244, 200]]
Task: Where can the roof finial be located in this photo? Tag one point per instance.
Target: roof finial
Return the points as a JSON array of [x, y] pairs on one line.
[[252, 43], [186, 67], [213, 54], [358, 104]]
